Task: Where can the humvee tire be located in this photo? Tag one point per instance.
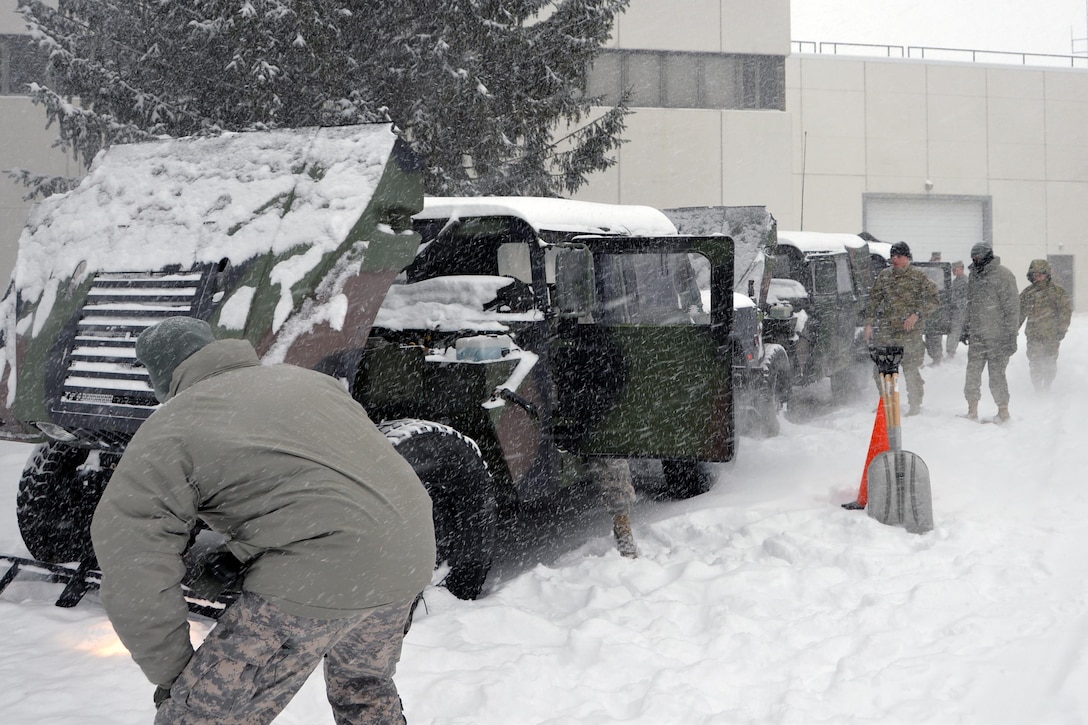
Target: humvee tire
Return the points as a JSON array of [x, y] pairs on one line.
[[684, 479], [462, 495], [56, 501]]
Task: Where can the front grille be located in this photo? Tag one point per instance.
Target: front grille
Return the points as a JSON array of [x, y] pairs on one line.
[[103, 377]]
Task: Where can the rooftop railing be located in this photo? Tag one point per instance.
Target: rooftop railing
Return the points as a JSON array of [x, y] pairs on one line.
[[922, 52]]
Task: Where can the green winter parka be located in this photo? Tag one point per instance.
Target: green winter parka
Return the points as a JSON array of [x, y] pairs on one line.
[[1047, 309], [993, 306], [289, 468]]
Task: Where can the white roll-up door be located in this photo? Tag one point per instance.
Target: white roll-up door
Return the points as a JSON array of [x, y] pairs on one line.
[[950, 226]]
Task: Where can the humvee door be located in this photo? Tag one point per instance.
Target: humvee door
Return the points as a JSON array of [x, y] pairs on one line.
[[861, 270], [640, 355]]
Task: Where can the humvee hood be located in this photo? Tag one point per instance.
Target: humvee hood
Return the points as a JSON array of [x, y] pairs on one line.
[[197, 200]]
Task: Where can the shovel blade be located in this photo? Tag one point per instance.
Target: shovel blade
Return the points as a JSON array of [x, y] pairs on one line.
[[899, 491]]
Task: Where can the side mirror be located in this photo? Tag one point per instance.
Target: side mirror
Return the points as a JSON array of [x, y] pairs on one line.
[[575, 291]]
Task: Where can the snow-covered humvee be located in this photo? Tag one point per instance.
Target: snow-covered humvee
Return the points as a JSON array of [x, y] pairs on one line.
[[824, 279], [525, 336]]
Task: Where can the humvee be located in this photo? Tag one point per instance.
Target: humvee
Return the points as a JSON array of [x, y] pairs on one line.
[[522, 338], [818, 291], [763, 373]]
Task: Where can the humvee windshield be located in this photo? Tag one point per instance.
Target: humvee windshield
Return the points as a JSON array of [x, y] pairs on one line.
[[650, 288], [832, 276]]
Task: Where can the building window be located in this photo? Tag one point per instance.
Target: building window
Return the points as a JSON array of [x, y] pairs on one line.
[[21, 63], [690, 80]]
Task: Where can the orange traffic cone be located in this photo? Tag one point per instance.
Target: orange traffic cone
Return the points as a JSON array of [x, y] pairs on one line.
[[878, 443]]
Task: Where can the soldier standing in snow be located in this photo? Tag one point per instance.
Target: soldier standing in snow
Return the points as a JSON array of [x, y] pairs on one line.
[[1047, 309], [899, 301], [332, 527], [993, 322], [958, 294]]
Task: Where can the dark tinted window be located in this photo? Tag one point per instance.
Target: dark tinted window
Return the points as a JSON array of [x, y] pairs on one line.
[[662, 79]]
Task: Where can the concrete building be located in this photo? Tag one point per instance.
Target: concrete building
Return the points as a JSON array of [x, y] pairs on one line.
[[25, 143], [941, 153]]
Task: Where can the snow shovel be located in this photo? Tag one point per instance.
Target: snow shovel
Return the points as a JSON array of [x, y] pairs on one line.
[[899, 491]]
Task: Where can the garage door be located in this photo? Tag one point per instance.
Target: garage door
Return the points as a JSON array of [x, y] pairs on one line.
[[949, 225]]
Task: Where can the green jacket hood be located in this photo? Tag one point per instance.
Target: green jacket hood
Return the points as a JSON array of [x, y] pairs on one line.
[[217, 357]]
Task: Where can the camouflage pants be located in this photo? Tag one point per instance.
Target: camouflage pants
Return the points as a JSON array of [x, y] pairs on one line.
[[258, 657], [613, 479], [952, 343], [984, 354], [1042, 362], [935, 346]]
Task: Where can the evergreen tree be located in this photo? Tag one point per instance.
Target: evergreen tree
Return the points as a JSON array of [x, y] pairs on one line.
[[481, 88]]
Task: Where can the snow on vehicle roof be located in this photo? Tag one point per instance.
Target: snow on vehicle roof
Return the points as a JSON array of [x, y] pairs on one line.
[[192, 200], [820, 241], [557, 215]]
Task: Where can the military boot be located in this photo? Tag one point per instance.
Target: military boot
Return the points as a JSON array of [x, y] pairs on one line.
[[972, 410], [1002, 414]]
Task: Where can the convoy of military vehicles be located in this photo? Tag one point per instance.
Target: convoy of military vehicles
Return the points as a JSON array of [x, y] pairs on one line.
[[500, 342]]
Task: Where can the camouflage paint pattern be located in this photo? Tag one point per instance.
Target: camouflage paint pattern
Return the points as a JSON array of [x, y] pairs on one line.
[[257, 657]]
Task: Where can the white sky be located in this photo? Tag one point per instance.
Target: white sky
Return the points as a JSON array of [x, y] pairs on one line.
[[1043, 26]]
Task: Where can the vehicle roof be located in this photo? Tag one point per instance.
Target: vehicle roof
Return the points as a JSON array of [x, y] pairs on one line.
[[193, 200], [821, 241], [558, 215]]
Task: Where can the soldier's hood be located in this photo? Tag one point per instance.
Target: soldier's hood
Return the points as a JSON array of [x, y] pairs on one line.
[[217, 357], [993, 261]]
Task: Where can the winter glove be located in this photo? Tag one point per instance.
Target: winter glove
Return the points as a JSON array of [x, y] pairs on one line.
[[162, 694], [965, 338], [216, 573]]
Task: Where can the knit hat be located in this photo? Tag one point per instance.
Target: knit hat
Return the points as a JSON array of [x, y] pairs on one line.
[[901, 249], [162, 347]]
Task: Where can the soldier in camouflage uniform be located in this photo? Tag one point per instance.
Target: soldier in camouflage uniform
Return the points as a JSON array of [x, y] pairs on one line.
[[1047, 309], [900, 300], [959, 308], [993, 322], [332, 528]]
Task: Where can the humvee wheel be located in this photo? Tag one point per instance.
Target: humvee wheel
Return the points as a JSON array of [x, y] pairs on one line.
[[462, 495], [57, 497], [684, 479], [776, 384]]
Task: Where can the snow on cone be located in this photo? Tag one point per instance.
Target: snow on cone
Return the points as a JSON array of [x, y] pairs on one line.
[[878, 443]]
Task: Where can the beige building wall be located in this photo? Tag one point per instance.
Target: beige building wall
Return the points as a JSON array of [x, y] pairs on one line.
[[24, 144], [702, 157], [711, 26], [1014, 134]]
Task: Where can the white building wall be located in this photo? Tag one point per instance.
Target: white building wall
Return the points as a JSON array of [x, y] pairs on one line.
[[712, 26], [703, 157], [876, 126]]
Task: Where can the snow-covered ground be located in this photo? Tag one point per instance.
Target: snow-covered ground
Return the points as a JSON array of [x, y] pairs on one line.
[[762, 601]]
